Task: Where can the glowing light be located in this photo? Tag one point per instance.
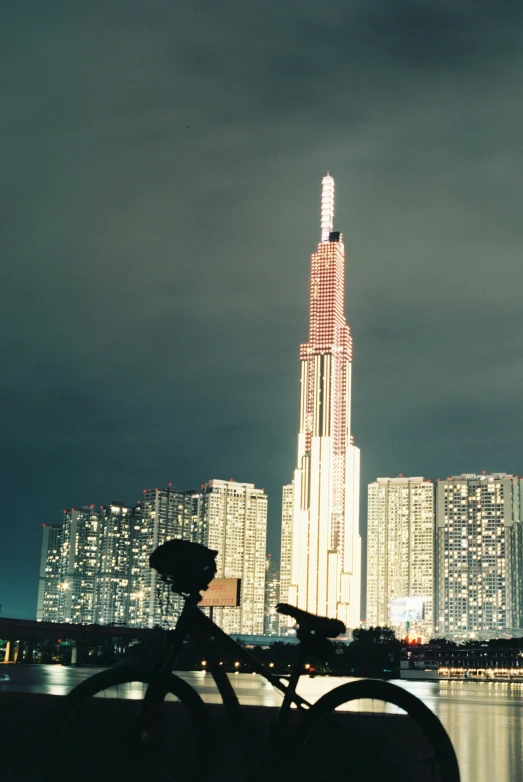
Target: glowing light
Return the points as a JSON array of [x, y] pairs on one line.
[[327, 207]]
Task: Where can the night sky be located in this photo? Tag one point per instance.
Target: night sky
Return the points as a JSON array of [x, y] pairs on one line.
[[161, 165]]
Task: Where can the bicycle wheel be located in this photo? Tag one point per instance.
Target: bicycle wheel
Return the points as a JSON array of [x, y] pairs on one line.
[[374, 730], [96, 731]]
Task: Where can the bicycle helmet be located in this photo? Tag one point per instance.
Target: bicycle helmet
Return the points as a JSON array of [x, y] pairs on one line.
[[188, 567]]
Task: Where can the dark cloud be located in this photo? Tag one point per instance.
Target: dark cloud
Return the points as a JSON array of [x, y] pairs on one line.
[[160, 168]]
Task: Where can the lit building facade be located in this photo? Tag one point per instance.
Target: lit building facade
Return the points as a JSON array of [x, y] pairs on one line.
[[400, 555], [95, 565], [479, 555], [164, 514], [234, 520], [48, 606], [287, 521], [114, 564], [79, 564], [272, 597], [324, 539]]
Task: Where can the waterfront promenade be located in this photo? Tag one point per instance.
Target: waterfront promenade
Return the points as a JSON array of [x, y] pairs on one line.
[[483, 719]]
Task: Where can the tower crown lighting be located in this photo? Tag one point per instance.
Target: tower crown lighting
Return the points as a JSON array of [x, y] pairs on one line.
[[327, 207]]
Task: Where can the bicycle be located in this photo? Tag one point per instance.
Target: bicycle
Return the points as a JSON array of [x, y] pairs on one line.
[[348, 730]]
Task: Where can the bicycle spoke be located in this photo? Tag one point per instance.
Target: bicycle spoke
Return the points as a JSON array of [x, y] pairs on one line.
[[105, 719]]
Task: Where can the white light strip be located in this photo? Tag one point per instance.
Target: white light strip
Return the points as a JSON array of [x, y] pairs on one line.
[[327, 207]]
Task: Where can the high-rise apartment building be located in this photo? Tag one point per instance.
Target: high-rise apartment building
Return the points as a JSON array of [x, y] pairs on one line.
[[113, 579], [479, 573], [287, 513], [272, 597], [234, 518], [48, 607], [79, 564], [165, 514], [324, 539], [400, 555], [95, 566]]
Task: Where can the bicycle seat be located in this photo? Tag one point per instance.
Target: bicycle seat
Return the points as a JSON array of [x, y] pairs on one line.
[[319, 625]]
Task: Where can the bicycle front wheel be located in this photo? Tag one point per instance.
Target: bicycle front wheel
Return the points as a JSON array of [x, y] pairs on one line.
[[98, 733], [372, 730]]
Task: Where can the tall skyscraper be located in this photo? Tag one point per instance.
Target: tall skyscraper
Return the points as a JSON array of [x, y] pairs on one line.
[[234, 517], [325, 541], [400, 555], [479, 521]]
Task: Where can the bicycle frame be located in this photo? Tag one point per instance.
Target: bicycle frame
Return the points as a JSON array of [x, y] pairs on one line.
[[194, 624]]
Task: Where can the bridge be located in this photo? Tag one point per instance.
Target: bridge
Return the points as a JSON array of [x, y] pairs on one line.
[[21, 634]]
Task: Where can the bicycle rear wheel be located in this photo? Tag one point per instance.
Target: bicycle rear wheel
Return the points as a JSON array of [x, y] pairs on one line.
[[371, 730], [96, 734]]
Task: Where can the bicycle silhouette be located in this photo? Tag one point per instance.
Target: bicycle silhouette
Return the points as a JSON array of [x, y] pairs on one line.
[[120, 724]]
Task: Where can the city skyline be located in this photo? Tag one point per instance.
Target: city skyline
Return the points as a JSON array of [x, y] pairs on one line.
[[158, 192], [95, 569]]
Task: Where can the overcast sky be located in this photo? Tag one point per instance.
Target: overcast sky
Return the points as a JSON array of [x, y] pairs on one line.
[[161, 166]]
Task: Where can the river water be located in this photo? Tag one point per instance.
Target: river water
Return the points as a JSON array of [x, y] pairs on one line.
[[484, 719]]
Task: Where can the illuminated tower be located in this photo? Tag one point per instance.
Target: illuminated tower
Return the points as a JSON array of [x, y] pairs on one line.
[[325, 540]]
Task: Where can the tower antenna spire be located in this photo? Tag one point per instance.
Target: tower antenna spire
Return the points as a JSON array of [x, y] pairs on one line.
[[327, 206]]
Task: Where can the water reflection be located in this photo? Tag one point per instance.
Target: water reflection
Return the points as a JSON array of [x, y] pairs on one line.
[[484, 721]]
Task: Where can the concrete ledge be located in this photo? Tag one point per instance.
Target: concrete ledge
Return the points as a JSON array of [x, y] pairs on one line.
[[26, 723]]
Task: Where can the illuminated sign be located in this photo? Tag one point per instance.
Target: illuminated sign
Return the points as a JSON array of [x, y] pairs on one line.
[[407, 609], [222, 592]]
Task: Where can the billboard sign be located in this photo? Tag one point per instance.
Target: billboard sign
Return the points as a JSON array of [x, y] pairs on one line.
[[407, 609], [222, 593]]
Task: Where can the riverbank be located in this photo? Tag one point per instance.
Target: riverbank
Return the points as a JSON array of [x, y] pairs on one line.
[[99, 747], [484, 719]]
